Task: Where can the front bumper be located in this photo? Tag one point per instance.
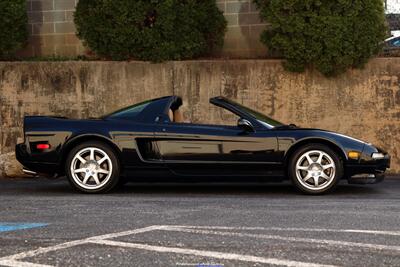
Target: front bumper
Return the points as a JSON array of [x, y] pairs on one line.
[[369, 171], [366, 178]]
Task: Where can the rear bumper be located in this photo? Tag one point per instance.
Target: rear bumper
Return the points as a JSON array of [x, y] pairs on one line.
[[32, 166], [29, 172], [21, 153]]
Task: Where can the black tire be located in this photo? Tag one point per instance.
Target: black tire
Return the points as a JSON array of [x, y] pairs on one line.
[[110, 179], [306, 186]]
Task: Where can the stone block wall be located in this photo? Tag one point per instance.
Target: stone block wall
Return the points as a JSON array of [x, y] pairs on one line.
[[52, 29], [244, 29]]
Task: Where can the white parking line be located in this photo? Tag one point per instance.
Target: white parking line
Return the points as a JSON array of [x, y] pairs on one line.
[[283, 238], [17, 259], [13, 259], [211, 254], [375, 232], [125, 233], [13, 263]]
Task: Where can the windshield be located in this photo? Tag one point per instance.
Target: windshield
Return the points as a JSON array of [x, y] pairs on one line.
[[263, 119]]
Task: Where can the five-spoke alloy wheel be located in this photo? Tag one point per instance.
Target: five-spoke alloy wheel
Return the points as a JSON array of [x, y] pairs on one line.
[[92, 167], [315, 169]]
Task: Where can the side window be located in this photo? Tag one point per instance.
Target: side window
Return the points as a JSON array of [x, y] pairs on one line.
[[130, 112], [202, 113], [215, 116], [225, 117]]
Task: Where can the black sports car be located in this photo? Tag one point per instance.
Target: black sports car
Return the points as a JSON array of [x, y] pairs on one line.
[[151, 141]]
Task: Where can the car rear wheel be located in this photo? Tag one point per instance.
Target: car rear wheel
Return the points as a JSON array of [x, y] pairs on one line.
[[92, 167], [315, 169]]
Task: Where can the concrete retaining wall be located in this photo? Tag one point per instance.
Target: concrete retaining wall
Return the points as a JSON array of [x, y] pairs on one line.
[[362, 103]]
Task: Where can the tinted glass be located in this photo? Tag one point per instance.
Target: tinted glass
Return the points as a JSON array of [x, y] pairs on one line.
[[396, 42], [129, 112]]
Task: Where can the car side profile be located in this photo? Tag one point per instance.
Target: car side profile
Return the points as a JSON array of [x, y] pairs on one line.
[[150, 141]]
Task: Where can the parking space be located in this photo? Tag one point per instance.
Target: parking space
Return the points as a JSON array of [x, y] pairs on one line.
[[199, 226], [174, 245]]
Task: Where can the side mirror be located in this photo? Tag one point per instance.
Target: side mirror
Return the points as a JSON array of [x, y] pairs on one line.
[[245, 125]]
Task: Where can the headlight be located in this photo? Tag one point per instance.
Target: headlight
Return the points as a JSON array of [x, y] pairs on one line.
[[378, 155]]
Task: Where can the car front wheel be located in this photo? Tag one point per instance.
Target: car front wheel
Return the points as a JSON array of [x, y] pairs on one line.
[[92, 167], [315, 169]]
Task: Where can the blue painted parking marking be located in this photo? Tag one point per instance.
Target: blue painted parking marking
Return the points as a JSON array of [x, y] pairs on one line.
[[6, 227]]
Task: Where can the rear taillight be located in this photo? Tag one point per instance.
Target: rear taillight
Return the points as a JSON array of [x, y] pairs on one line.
[[42, 146]]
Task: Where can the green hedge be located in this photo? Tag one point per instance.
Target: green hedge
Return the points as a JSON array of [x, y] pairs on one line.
[[330, 36], [154, 30], [13, 26]]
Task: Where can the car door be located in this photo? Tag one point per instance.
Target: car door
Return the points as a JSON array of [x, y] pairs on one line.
[[196, 149]]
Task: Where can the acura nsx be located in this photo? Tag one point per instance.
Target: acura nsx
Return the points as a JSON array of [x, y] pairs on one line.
[[152, 141]]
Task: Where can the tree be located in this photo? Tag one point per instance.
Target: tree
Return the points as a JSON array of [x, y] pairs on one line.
[[154, 30], [13, 26], [330, 36]]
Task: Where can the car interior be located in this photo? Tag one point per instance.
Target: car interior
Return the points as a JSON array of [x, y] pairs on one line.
[[225, 118], [174, 113]]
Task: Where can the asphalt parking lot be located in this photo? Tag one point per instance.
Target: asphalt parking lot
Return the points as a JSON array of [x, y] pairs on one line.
[[45, 223]]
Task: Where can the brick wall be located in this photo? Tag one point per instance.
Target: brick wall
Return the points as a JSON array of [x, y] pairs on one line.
[[244, 29], [52, 30]]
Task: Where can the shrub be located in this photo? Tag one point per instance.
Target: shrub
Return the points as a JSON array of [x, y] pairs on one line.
[[155, 30], [13, 26], [330, 36]]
